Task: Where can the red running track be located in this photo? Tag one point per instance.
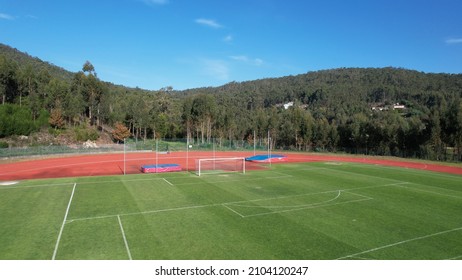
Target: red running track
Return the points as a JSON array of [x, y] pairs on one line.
[[113, 164]]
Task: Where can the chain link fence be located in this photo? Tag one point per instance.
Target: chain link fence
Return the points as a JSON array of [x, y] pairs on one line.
[[130, 145]]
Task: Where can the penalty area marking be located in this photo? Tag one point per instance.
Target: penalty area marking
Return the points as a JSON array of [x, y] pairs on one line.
[[399, 243], [288, 206], [64, 222], [166, 181], [296, 207]]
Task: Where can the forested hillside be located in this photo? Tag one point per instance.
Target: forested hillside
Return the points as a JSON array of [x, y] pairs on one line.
[[386, 111]]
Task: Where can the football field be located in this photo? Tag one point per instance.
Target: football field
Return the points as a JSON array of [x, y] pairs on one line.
[[321, 210]]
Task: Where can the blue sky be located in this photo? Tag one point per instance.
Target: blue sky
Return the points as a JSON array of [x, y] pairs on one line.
[[197, 43]]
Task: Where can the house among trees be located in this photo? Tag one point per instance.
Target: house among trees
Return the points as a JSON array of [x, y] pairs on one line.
[[398, 106], [383, 107]]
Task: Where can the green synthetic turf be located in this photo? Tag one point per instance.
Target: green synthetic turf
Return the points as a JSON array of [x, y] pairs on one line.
[[291, 211]]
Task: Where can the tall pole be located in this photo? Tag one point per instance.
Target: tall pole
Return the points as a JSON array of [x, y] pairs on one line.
[[157, 152], [254, 143], [214, 156], [187, 153], [269, 148], [124, 156]]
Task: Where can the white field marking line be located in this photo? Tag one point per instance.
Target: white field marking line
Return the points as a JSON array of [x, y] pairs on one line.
[[437, 193], [400, 242], [305, 208], [125, 238], [166, 181], [64, 222], [360, 258], [379, 186], [232, 210], [456, 258], [176, 177], [418, 171], [35, 186], [430, 186], [228, 181], [347, 191], [288, 206], [118, 181], [148, 212], [8, 183], [226, 203], [350, 172]]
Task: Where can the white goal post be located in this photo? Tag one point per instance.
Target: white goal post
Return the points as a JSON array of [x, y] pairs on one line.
[[220, 165]]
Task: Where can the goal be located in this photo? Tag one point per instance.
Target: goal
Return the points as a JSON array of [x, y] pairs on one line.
[[220, 165]]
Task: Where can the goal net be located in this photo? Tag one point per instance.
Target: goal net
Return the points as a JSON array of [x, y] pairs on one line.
[[219, 165]]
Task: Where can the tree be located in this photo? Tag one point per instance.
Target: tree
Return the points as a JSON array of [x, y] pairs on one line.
[[92, 89], [121, 132], [203, 113], [56, 119], [435, 142], [187, 118], [8, 83], [28, 82], [88, 68]]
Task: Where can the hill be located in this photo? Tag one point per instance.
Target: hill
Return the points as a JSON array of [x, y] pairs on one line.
[[359, 87], [36, 63], [383, 111]]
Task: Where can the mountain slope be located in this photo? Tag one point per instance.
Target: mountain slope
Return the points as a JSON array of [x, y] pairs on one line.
[[37, 64]]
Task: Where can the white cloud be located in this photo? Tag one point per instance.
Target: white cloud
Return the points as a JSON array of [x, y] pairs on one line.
[[454, 41], [218, 69], [240, 58], [208, 22], [258, 61], [228, 39], [6, 16], [245, 59]]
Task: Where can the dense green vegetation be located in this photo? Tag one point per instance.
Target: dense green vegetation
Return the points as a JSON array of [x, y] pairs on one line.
[[332, 109], [291, 211]]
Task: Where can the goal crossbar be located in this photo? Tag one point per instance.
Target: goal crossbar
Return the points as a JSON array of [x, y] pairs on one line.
[[219, 165]]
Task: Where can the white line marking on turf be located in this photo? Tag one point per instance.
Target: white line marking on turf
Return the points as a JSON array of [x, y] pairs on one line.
[[167, 182], [400, 242], [240, 180], [290, 206], [8, 183], [64, 222], [437, 193], [34, 186], [456, 258], [305, 208], [420, 172], [232, 210], [125, 238], [240, 201], [358, 174], [148, 212]]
